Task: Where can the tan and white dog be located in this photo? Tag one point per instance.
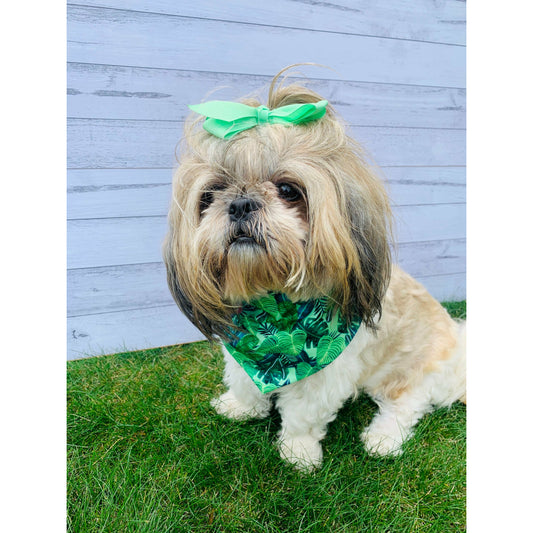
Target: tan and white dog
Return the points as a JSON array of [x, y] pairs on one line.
[[296, 209]]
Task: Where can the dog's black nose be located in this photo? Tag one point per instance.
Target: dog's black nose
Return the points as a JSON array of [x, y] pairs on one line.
[[241, 209]]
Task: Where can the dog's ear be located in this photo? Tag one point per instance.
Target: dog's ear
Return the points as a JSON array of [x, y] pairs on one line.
[[370, 227], [351, 229], [179, 295], [172, 276]]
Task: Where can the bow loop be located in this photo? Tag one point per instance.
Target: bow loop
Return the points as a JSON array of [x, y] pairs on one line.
[[226, 119]]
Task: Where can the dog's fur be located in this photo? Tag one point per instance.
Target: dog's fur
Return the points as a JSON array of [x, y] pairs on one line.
[[329, 236]]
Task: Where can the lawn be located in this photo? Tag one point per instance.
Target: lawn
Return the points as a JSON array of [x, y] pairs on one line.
[[147, 453]]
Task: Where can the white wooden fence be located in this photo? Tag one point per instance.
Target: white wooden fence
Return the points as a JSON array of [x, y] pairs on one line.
[[398, 79]]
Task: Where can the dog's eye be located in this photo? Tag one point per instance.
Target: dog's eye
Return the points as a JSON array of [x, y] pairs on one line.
[[288, 192], [206, 200], [208, 196]]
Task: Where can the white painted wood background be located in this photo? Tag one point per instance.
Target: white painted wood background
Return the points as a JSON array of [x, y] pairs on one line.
[[398, 79]]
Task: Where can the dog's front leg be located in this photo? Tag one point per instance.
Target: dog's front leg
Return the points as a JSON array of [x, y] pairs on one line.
[[306, 408], [243, 400]]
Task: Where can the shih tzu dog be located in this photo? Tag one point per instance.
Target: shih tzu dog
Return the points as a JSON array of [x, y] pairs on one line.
[[279, 249]]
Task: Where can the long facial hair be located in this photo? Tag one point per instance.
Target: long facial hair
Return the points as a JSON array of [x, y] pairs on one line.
[[293, 209]]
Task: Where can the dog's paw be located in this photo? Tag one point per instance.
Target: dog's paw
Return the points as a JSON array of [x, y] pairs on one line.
[[382, 444], [229, 406], [305, 453]]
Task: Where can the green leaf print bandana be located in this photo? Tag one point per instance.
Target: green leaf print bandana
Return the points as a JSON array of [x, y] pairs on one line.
[[282, 342]]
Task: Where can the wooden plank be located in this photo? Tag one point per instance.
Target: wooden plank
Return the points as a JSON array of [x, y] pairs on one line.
[[160, 326], [115, 241], [125, 241], [446, 288], [430, 222], [432, 258], [95, 143], [129, 287], [108, 193], [424, 20], [102, 91], [108, 333], [122, 143], [116, 37], [425, 185], [413, 147], [118, 200], [118, 288], [85, 178]]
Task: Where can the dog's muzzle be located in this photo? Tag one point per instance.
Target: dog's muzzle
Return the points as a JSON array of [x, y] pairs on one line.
[[241, 213]]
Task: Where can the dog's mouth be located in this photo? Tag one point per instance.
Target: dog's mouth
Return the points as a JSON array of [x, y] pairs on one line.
[[243, 240], [242, 236]]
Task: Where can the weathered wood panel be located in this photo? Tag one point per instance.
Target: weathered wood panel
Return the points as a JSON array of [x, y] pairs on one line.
[[430, 222], [425, 185], [124, 200], [150, 144], [105, 333], [114, 241], [446, 288], [432, 258], [422, 20], [101, 177], [104, 91], [109, 193], [106, 36], [123, 241], [117, 288], [130, 287]]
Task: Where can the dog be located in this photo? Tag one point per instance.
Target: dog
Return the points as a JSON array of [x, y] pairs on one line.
[[279, 228]]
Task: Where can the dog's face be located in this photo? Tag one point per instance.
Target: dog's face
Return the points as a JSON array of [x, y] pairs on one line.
[[286, 209]]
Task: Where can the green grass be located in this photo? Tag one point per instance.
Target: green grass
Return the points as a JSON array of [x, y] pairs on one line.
[[146, 453]]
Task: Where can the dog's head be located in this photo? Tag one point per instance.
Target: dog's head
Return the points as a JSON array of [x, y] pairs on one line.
[[293, 209]]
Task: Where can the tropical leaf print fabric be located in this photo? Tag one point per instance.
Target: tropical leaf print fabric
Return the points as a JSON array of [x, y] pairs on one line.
[[279, 342]]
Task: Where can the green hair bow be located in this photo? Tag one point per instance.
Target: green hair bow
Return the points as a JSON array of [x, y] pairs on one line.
[[226, 119]]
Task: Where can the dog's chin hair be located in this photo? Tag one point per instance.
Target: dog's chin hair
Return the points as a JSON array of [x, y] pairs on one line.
[[251, 271], [248, 273]]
